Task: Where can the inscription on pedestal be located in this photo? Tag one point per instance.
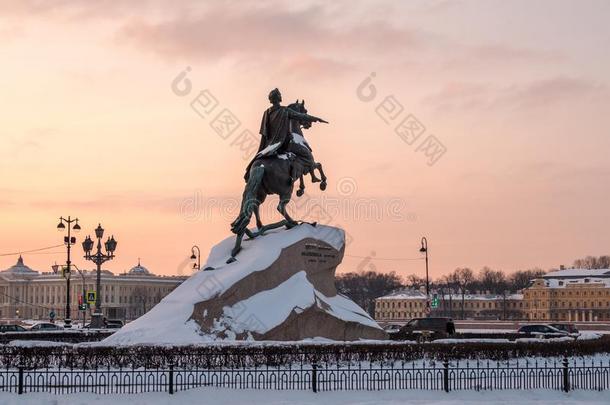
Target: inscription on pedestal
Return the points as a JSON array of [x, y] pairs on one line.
[[318, 253]]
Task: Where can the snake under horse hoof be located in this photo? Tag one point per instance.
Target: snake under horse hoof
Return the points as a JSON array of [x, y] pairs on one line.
[[262, 231]]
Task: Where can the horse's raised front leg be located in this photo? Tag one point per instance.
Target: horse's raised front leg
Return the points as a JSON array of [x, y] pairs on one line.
[[323, 183], [314, 178], [301, 189]]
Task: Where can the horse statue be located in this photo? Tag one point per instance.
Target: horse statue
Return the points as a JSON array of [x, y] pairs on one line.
[[276, 173]]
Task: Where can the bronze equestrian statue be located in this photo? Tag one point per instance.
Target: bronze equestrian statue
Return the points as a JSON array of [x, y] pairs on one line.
[[283, 157]]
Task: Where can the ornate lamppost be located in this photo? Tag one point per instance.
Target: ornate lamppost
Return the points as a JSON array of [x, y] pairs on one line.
[[424, 249], [196, 257], [99, 258], [69, 240]]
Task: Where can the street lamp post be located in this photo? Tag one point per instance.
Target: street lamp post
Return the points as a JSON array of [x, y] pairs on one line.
[[196, 256], [55, 269], [69, 240], [504, 299], [424, 249], [82, 276], [99, 258], [451, 303]]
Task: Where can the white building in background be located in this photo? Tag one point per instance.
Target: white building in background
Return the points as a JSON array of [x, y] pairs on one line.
[[29, 294], [400, 306], [406, 304]]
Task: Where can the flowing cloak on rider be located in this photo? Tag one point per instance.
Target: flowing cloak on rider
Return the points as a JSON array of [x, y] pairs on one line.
[[275, 133]]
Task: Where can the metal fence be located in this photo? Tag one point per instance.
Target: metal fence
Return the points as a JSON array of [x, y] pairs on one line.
[[566, 375]]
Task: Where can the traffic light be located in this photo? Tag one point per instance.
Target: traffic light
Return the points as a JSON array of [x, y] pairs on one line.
[[82, 306]]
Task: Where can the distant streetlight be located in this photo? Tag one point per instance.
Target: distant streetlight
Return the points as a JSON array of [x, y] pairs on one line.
[[424, 249], [505, 293], [196, 257], [69, 240], [99, 258]]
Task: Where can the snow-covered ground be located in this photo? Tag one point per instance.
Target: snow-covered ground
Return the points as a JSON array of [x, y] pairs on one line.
[[224, 396]]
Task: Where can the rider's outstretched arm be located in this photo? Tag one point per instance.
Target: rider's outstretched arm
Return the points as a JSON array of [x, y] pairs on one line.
[[304, 117]]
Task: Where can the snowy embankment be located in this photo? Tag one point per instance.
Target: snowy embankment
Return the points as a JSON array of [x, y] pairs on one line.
[[310, 342], [227, 396]]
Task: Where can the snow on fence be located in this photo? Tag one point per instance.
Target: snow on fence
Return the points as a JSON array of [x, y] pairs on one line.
[[522, 374]]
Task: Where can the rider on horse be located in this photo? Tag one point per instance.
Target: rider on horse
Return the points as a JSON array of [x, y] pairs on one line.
[[283, 157], [276, 134]]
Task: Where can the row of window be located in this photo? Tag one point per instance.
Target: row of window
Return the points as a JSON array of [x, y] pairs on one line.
[[398, 315], [545, 293], [394, 304], [570, 304], [401, 304], [56, 295]]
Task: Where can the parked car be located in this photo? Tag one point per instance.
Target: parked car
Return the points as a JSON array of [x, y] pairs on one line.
[[114, 324], [11, 328], [426, 329], [566, 327], [542, 331], [108, 324], [46, 326], [392, 328]]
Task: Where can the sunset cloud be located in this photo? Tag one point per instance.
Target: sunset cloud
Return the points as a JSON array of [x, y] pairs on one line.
[[264, 32], [549, 91], [540, 93]]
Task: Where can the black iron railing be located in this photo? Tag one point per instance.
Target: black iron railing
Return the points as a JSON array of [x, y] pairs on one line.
[[214, 356], [517, 374]]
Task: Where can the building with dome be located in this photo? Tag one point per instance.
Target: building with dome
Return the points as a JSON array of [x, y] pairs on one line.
[[26, 293], [139, 270]]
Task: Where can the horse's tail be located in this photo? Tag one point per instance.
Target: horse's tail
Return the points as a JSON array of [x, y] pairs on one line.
[[249, 202]]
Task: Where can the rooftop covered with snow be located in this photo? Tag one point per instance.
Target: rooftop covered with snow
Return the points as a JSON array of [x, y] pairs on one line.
[[410, 294], [578, 273]]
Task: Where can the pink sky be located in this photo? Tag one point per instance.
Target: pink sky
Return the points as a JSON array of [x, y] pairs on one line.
[[516, 92]]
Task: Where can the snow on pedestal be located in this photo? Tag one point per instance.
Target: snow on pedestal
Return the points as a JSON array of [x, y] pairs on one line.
[[282, 287]]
